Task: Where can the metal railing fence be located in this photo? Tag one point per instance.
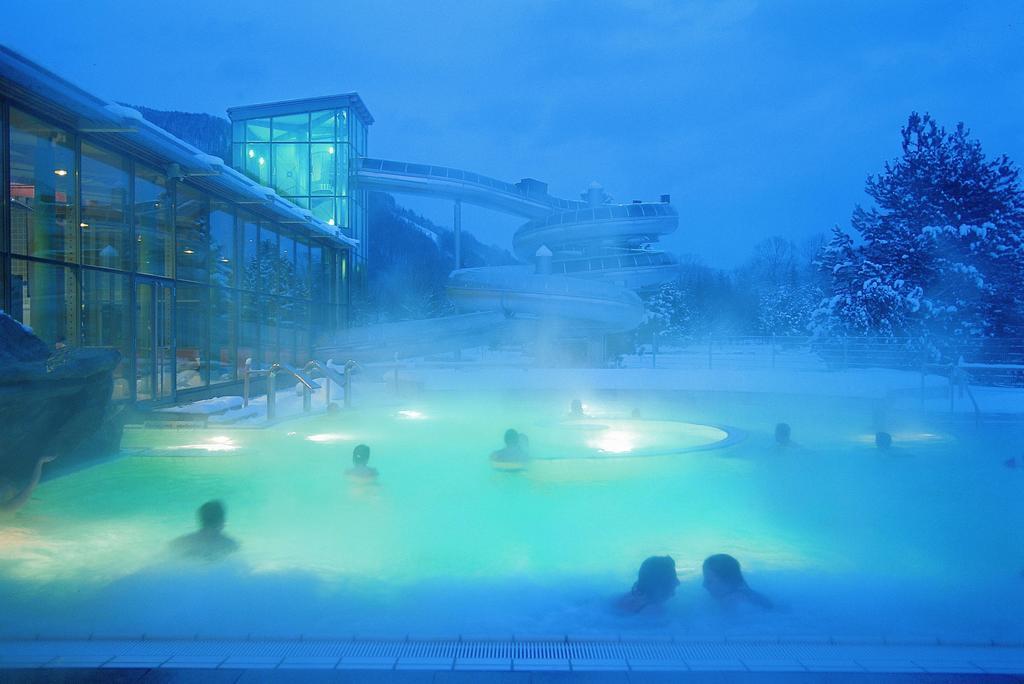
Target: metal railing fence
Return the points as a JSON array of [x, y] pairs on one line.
[[991, 361]]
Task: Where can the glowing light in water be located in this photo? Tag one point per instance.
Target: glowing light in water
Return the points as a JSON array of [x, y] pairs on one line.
[[219, 443], [411, 415], [327, 437], [613, 442]]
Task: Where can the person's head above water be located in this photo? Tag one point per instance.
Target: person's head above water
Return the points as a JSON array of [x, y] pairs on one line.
[[883, 440], [511, 438], [361, 455], [722, 575], [657, 579], [782, 433], [576, 407], [211, 516]]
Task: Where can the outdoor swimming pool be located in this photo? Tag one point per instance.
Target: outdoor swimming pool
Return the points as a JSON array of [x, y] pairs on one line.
[[923, 541]]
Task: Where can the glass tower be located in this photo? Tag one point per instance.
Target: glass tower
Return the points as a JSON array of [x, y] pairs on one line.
[[304, 150]]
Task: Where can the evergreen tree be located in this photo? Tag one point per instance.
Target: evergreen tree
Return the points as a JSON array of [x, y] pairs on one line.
[[943, 247]]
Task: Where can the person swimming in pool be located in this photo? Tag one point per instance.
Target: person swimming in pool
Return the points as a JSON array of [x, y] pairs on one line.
[[656, 583], [208, 543], [783, 435], [576, 409], [724, 581], [11, 499], [515, 453], [360, 470]]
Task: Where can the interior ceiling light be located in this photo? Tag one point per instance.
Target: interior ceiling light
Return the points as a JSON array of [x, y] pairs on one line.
[[61, 172], [189, 251], [252, 153]]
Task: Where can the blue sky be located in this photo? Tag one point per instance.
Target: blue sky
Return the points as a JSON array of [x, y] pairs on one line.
[[759, 118]]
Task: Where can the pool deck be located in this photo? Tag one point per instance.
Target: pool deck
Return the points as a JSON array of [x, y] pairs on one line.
[[541, 659]]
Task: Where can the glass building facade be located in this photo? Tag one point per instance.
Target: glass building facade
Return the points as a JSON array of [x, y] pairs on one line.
[[305, 149], [186, 277]]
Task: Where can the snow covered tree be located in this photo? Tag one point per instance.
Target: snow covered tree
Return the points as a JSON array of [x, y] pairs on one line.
[[943, 247], [667, 311]]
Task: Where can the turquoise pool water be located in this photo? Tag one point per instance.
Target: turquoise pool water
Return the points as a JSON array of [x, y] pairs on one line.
[[921, 541]]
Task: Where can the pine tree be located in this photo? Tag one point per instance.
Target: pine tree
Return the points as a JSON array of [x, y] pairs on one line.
[[943, 247]]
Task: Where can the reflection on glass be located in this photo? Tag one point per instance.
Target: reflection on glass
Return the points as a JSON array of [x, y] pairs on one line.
[[103, 219], [106, 320], [222, 244], [223, 316], [154, 248], [42, 189], [193, 336], [192, 234], [45, 298]]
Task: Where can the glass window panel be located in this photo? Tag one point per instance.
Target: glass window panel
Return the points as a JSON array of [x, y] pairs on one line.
[[250, 251], [154, 246], [192, 234], [323, 166], [323, 209], [343, 216], [291, 169], [106, 319], [257, 130], [248, 331], [321, 126], [45, 298], [257, 162], [302, 339], [222, 244], [287, 282], [223, 316], [269, 311], [193, 335], [316, 273], [268, 272], [238, 132], [42, 189], [341, 181], [302, 267], [287, 315], [302, 202], [238, 156], [103, 219], [291, 128], [343, 117]]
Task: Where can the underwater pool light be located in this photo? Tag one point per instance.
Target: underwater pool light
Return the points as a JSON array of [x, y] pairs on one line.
[[326, 437], [613, 442], [411, 415], [213, 445]]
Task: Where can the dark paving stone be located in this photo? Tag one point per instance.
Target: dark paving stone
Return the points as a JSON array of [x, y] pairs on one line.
[[191, 676], [589, 677], [474, 676], [74, 675]]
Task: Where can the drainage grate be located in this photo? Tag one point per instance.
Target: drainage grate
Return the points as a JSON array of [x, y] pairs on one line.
[[483, 654]]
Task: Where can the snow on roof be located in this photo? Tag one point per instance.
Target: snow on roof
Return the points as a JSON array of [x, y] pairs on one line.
[[28, 79]]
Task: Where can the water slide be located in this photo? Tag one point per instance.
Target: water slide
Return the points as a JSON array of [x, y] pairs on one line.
[[586, 259]]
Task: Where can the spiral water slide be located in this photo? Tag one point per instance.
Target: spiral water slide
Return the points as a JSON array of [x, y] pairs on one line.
[[586, 260]]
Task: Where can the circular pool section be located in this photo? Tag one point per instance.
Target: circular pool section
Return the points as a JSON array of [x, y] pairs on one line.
[[590, 438]]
